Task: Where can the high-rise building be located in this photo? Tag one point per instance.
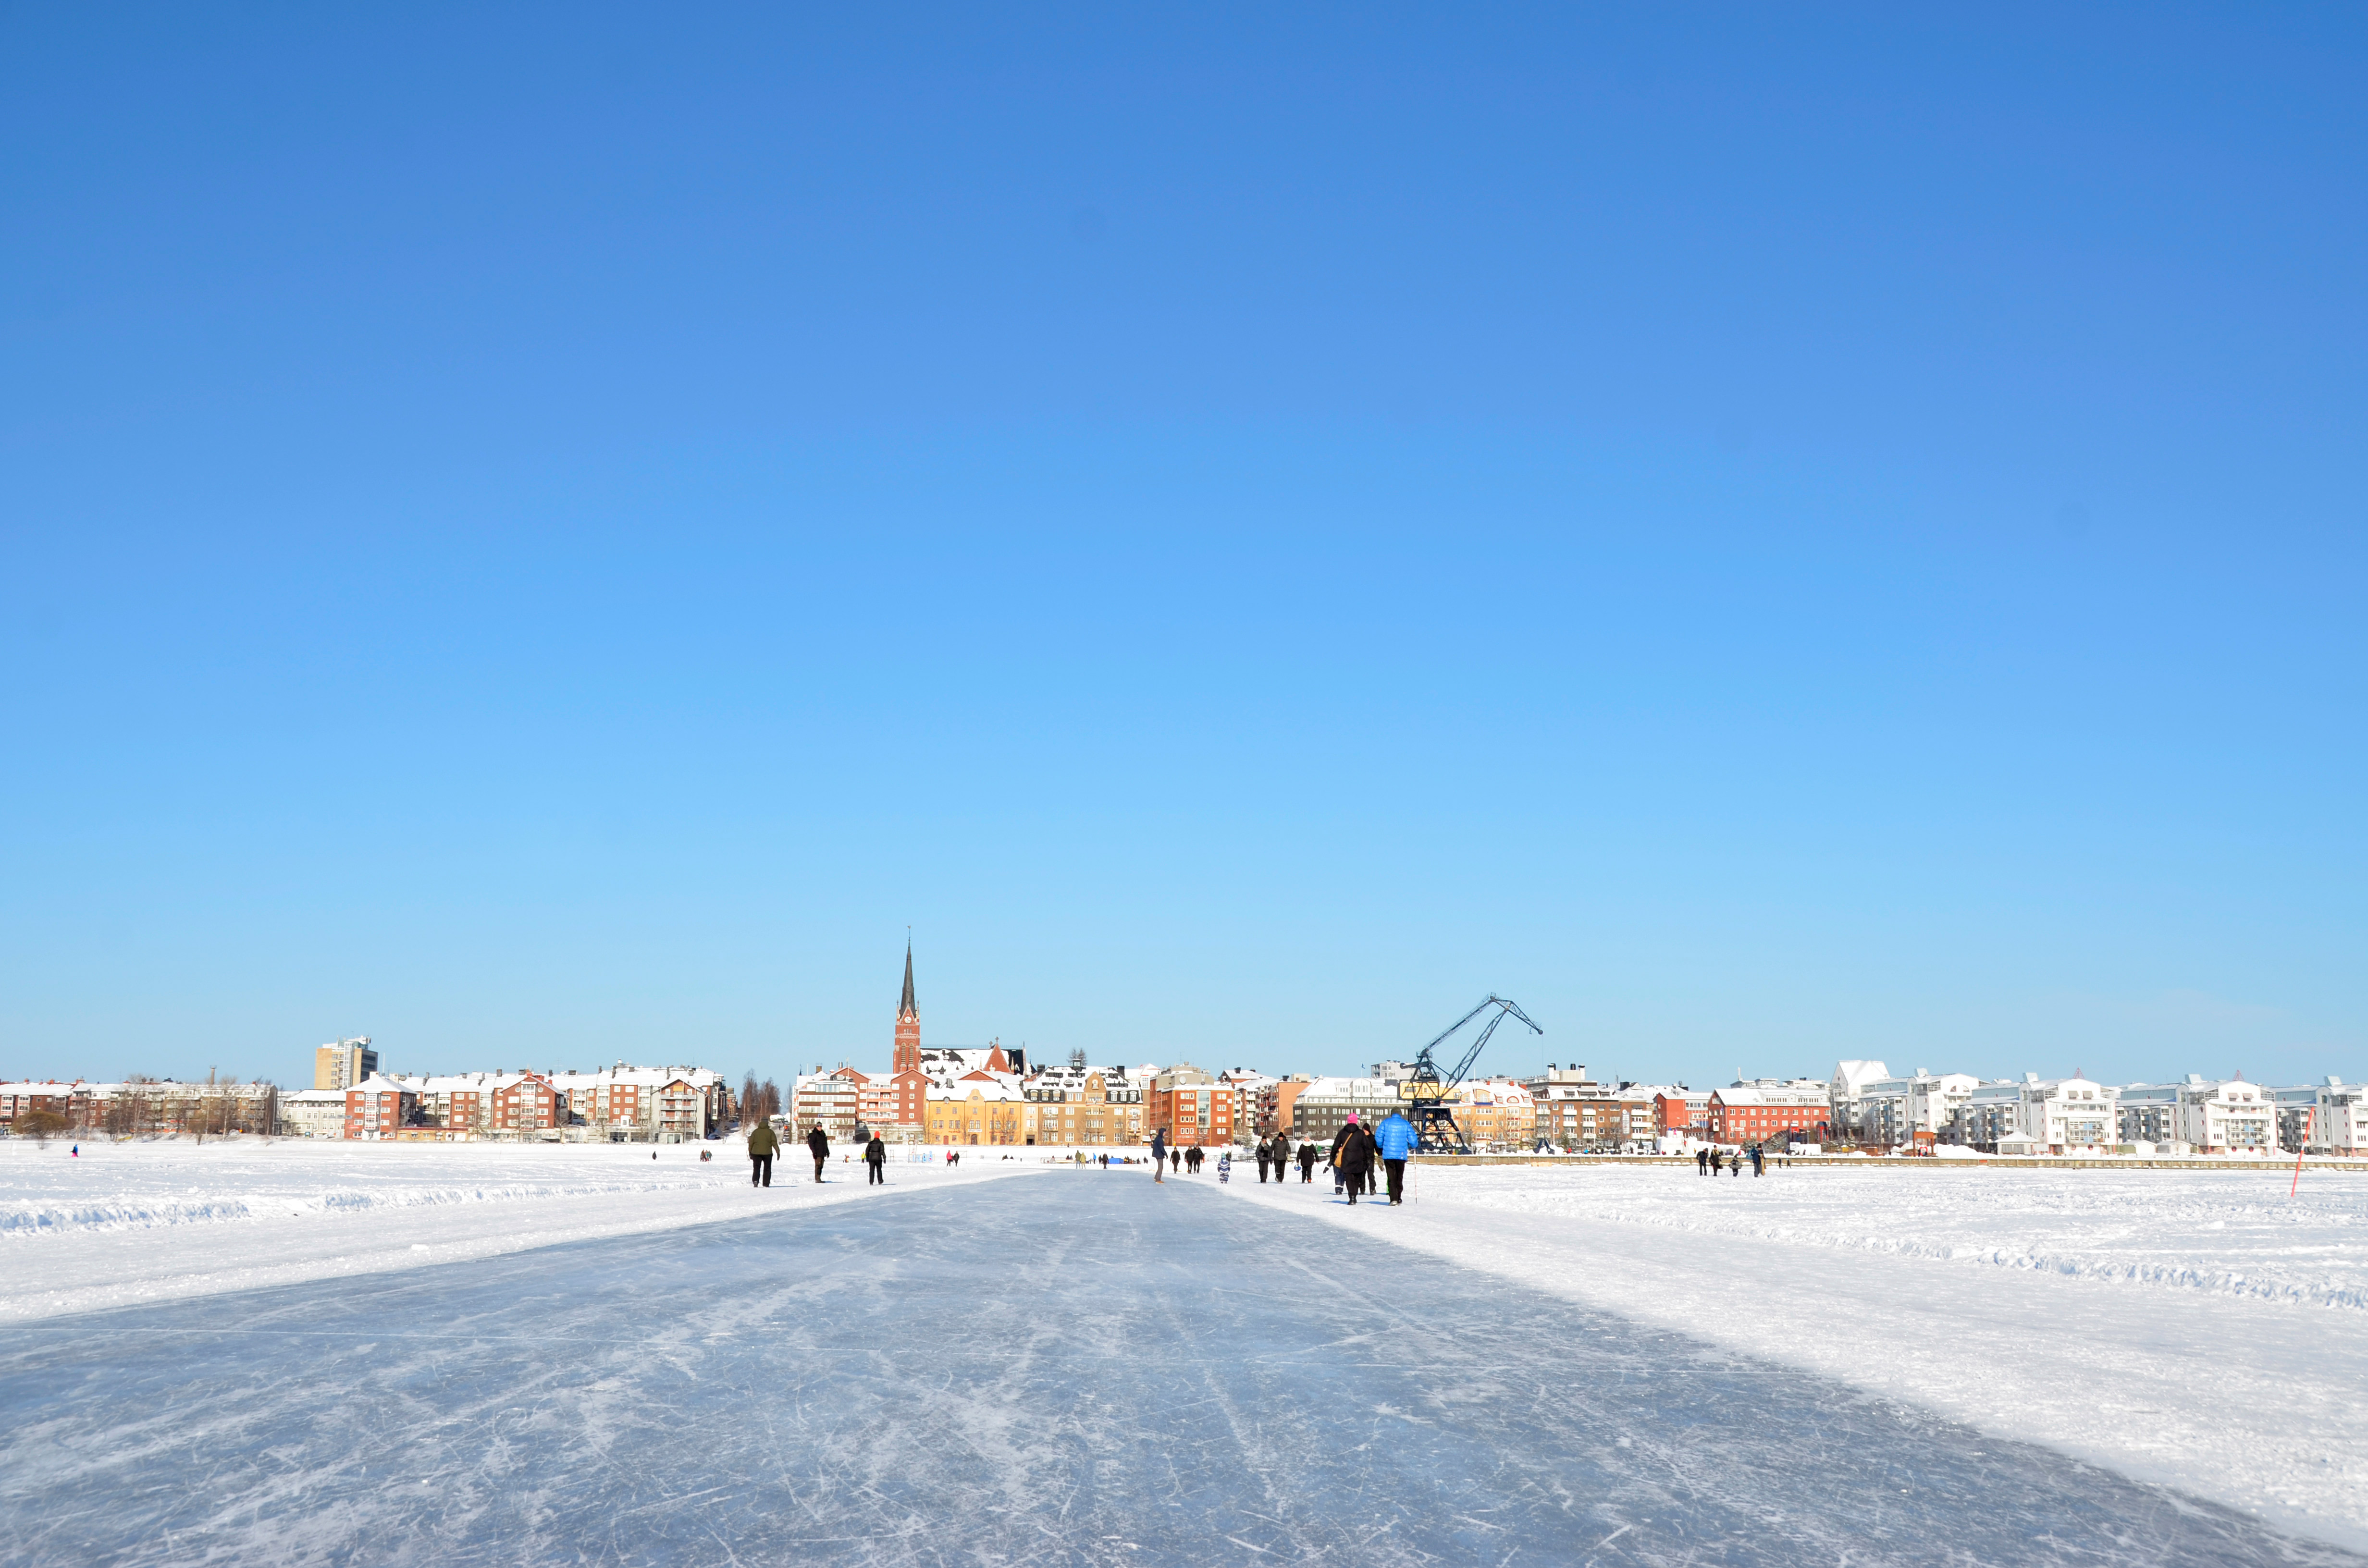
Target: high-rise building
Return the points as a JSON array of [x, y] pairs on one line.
[[345, 1065]]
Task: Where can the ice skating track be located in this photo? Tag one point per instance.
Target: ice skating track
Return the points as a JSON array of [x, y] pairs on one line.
[[1076, 1368]]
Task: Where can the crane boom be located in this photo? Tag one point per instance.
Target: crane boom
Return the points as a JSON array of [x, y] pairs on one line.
[[1428, 1088]]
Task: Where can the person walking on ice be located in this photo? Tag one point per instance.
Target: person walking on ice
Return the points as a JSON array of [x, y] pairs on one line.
[[875, 1155], [1160, 1155], [1395, 1140], [818, 1145], [1353, 1159], [763, 1144]]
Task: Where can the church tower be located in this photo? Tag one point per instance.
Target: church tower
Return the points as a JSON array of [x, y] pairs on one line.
[[908, 1022]]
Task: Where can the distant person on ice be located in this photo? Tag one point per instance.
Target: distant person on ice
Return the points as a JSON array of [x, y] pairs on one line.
[[762, 1146], [1394, 1138], [875, 1155], [818, 1145], [1701, 1162], [1307, 1163], [1160, 1155]]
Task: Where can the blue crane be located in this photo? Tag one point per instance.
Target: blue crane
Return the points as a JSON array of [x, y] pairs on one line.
[[1428, 1088]]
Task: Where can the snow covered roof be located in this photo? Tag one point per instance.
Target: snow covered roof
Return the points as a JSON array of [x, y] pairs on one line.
[[1778, 1098], [986, 1086]]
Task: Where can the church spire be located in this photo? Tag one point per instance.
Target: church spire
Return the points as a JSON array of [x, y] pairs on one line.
[[907, 1059]]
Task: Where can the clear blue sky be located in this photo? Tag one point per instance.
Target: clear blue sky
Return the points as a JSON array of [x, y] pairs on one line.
[[555, 534]]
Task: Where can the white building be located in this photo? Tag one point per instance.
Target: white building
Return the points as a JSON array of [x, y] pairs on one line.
[[2069, 1116], [2231, 1118], [2210, 1115], [1324, 1105], [2339, 1120], [1849, 1082], [1892, 1111], [1990, 1111], [312, 1113]]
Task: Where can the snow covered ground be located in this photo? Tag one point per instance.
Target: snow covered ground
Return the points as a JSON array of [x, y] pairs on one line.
[[2200, 1330], [144, 1221]]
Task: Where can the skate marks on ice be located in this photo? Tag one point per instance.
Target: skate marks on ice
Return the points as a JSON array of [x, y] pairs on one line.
[[1075, 1369]]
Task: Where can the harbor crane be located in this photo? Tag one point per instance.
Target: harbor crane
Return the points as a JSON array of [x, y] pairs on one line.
[[1426, 1088]]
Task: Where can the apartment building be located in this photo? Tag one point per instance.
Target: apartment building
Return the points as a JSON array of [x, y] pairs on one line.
[[1193, 1106], [344, 1064], [1088, 1106], [1752, 1114]]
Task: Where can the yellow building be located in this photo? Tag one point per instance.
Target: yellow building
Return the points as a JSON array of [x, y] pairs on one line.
[[1093, 1107], [969, 1112], [1496, 1113]]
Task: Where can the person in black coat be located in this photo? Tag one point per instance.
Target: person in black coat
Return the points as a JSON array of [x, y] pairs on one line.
[[1354, 1159], [818, 1144], [875, 1155], [1306, 1163]]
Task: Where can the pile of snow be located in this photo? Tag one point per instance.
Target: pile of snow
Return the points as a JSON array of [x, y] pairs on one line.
[[2233, 1234], [144, 1221], [2197, 1329]]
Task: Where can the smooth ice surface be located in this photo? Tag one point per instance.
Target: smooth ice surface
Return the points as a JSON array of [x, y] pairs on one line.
[[1079, 1368], [171, 1218], [2199, 1330]]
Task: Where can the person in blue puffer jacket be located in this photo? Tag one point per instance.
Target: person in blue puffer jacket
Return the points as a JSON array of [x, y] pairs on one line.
[[1394, 1138]]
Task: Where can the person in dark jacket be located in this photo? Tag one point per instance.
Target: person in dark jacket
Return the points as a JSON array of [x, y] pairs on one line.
[[1716, 1166], [1160, 1155], [763, 1144], [1701, 1162], [1307, 1163], [1758, 1162], [1265, 1151], [1354, 1159], [818, 1145], [875, 1155]]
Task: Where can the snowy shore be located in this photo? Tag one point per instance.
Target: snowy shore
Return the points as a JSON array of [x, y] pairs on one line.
[[147, 1221], [2201, 1330]]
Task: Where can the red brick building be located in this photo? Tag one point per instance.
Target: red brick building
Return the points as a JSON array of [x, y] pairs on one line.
[[1676, 1110], [1192, 1106], [1758, 1116], [379, 1104], [903, 1103]]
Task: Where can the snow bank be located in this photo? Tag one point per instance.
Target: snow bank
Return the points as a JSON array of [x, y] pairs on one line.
[[144, 1221], [2194, 1329]]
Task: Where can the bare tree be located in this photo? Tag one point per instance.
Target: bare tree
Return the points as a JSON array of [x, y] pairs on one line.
[[43, 1125]]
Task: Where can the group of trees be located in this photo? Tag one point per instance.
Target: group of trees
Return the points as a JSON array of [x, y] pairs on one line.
[[143, 1107], [758, 1101]]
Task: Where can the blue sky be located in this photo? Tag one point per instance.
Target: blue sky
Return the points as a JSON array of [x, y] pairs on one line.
[[556, 536]]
